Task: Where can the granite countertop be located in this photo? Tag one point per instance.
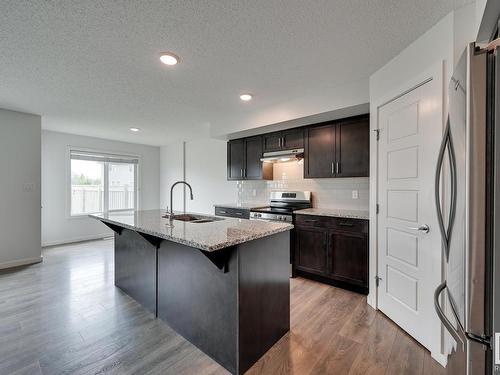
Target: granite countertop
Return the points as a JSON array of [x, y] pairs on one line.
[[334, 212], [210, 236], [244, 206]]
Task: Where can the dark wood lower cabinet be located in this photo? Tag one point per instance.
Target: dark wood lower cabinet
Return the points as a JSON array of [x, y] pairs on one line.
[[311, 250], [348, 257], [332, 250]]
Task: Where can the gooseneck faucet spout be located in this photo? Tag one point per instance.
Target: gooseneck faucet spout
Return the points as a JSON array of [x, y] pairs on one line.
[[171, 213]]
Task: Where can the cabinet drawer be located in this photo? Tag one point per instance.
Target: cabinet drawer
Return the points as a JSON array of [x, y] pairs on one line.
[[339, 223], [239, 213]]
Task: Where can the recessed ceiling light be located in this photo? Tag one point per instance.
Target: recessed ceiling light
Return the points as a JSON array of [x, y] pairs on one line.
[[169, 58], [246, 97], [135, 130]]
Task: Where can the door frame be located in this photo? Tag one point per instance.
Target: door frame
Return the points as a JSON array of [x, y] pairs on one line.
[[437, 73]]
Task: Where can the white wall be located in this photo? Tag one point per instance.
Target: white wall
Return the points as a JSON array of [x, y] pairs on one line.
[[57, 225], [205, 170], [19, 188], [171, 170]]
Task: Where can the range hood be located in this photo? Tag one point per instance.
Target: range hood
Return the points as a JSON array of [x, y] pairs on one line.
[[283, 156]]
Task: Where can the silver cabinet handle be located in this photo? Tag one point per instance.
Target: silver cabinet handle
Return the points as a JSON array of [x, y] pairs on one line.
[[423, 228], [241, 172], [333, 172], [337, 167], [279, 142], [282, 141]]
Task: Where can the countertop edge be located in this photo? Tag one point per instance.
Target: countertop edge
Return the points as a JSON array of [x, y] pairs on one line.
[[331, 214], [220, 246], [246, 207]]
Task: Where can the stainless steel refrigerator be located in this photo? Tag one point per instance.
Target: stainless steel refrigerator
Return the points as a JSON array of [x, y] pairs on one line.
[[468, 208]]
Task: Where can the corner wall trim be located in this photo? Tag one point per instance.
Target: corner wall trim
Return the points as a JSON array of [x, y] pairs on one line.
[[20, 262]]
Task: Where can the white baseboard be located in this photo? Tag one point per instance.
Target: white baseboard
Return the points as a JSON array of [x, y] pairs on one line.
[[440, 358], [20, 262], [370, 300], [76, 239]]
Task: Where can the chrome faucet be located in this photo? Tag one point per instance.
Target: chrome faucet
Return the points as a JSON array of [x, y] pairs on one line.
[[171, 213]]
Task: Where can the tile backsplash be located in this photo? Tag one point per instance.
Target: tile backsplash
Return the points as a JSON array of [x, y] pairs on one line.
[[326, 192]]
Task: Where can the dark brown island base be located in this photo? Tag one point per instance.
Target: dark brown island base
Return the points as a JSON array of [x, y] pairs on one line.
[[222, 284]]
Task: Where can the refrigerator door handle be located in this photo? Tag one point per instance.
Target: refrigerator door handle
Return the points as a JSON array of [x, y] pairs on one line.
[[454, 184], [446, 144], [437, 187], [442, 317]]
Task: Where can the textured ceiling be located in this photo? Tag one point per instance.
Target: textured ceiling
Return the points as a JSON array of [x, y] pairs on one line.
[[92, 67]]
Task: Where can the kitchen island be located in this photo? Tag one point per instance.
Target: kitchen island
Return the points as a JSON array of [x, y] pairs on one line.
[[221, 283]]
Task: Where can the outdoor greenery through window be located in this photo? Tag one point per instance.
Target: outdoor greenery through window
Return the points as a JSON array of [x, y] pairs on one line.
[[102, 182]]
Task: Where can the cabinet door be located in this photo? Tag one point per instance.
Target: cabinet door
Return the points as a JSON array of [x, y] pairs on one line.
[[353, 148], [272, 142], [319, 152], [235, 159], [291, 139], [311, 250], [348, 257], [253, 153]]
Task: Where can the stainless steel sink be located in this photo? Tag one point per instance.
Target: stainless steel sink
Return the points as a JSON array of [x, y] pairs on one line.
[[196, 219]]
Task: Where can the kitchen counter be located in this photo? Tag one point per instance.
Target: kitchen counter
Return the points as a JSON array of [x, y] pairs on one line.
[[351, 214], [222, 285], [210, 236]]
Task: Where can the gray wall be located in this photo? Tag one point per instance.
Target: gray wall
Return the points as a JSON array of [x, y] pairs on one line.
[[19, 188], [57, 225]]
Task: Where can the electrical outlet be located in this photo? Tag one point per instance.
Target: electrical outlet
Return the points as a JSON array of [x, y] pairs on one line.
[[355, 194], [28, 187], [254, 192]]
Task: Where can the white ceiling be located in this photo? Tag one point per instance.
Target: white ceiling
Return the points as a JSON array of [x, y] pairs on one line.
[[92, 67]]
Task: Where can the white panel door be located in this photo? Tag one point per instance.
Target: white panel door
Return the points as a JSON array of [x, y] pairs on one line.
[[410, 134]]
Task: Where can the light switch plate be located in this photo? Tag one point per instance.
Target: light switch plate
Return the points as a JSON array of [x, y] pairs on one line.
[[29, 187], [355, 194]]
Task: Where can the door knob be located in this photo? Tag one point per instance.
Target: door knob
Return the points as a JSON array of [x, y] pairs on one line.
[[422, 228]]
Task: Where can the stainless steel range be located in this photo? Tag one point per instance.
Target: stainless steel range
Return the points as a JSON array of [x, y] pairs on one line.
[[282, 205]]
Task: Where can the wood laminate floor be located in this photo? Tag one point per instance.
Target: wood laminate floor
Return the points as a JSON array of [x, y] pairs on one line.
[[64, 316]]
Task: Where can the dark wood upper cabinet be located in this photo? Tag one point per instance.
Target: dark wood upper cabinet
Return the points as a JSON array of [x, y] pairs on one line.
[[272, 142], [253, 153], [243, 160], [284, 140], [293, 138], [340, 149], [352, 148], [319, 154], [235, 159]]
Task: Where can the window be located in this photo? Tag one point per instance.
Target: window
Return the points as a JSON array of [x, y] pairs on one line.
[[102, 182]]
